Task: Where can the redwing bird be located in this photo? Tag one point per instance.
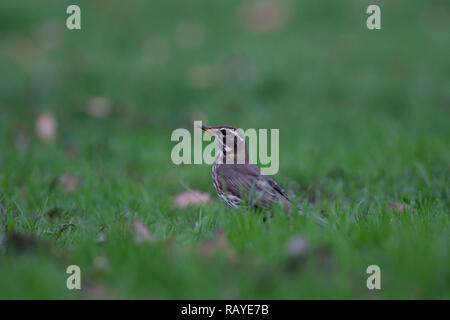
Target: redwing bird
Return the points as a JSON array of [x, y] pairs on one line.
[[238, 181]]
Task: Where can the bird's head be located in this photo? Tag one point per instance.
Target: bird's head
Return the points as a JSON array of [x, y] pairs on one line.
[[229, 140]]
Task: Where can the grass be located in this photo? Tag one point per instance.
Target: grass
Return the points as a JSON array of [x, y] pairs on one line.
[[364, 123]]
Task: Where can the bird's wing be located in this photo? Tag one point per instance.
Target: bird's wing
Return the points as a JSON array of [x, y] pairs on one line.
[[277, 187], [246, 181]]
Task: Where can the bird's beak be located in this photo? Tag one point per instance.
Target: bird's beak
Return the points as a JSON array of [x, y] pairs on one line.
[[207, 129]]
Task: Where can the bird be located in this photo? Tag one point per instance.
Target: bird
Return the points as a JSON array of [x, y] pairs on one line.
[[237, 181]]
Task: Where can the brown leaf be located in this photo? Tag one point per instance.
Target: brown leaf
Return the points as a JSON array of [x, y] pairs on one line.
[[264, 16], [98, 107], [46, 126], [191, 197], [68, 182], [142, 233], [297, 247]]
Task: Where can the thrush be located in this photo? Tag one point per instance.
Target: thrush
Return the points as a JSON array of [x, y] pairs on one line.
[[239, 182]]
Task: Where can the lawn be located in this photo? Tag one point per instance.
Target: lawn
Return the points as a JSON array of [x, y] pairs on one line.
[[86, 176]]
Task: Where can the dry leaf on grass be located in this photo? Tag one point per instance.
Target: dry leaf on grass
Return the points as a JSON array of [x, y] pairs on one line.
[[297, 247], [142, 233], [46, 126], [68, 182], [98, 107], [191, 197], [264, 16]]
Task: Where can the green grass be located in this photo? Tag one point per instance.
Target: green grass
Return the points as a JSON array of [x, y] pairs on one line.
[[363, 118]]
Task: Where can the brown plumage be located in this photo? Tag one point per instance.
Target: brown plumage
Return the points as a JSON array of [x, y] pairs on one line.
[[238, 184]]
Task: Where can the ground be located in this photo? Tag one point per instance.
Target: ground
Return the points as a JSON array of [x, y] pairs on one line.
[[364, 146]]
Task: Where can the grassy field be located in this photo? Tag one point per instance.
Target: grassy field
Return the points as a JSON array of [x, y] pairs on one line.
[[364, 146]]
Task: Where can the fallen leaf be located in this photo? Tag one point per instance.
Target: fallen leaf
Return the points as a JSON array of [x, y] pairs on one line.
[[68, 182], [142, 233], [46, 126], [297, 247], [191, 197], [264, 16], [98, 107]]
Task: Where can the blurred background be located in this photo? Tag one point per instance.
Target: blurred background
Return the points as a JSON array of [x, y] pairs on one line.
[[86, 117]]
